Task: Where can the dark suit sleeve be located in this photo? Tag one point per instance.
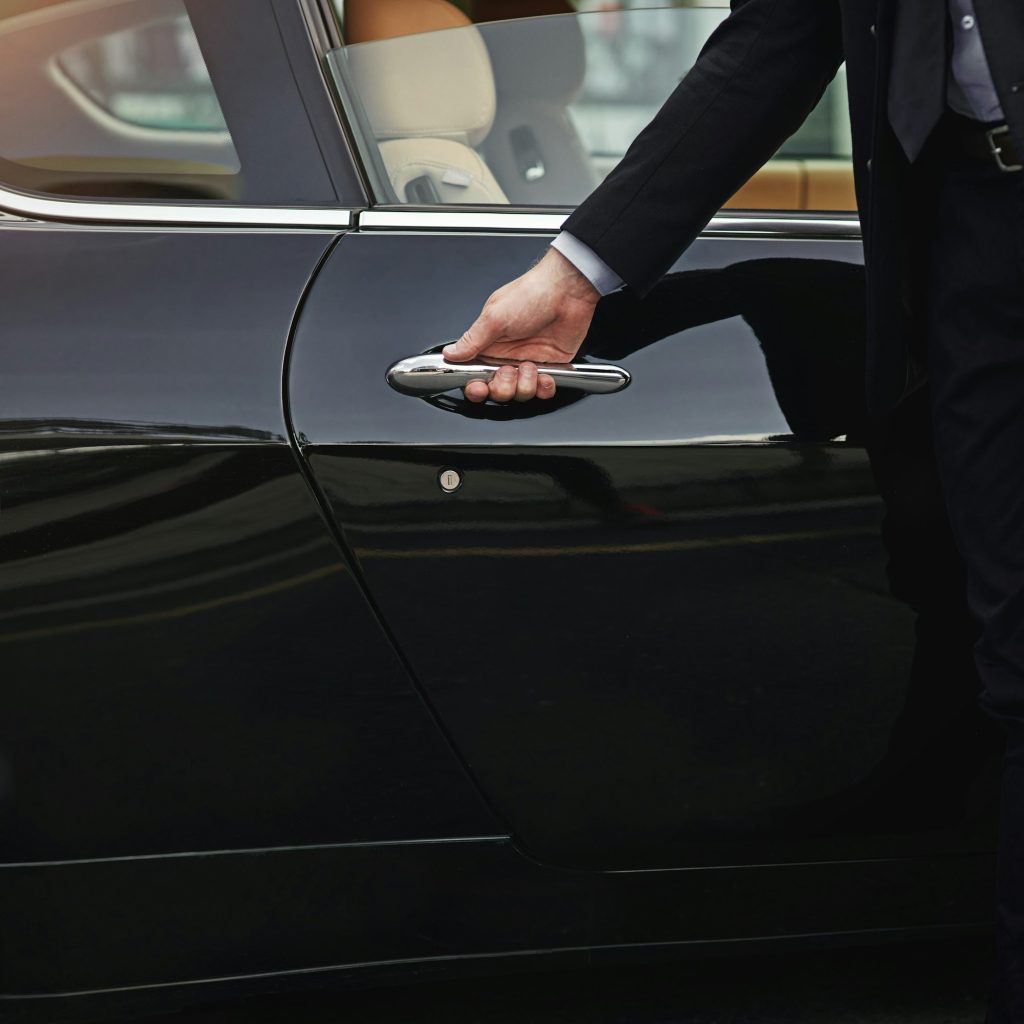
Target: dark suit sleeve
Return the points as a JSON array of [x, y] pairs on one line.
[[754, 83]]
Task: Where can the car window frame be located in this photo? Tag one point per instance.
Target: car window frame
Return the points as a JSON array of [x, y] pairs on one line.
[[394, 216]]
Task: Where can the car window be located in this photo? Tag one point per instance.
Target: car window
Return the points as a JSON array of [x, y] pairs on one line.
[[111, 100], [536, 111]]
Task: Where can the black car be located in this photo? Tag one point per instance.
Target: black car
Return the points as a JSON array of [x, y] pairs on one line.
[[314, 672]]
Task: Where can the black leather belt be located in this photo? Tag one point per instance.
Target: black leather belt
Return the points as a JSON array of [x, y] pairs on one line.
[[991, 143]]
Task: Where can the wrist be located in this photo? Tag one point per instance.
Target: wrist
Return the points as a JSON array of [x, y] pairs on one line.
[[565, 276]]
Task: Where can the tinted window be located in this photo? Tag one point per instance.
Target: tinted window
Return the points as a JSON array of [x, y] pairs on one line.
[[111, 100], [537, 111]]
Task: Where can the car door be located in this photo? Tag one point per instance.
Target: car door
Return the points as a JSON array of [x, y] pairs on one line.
[[661, 626], [191, 674]]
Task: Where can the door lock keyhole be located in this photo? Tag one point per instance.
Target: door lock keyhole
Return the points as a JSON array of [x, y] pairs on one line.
[[450, 480]]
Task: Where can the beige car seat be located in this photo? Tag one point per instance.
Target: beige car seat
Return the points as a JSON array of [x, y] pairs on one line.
[[429, 99], [534, 147], [800, 184]]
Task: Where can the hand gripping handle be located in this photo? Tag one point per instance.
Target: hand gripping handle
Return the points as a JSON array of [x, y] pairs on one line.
[[430, 375]]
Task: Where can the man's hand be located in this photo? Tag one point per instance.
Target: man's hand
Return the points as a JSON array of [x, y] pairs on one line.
[[542, 316]]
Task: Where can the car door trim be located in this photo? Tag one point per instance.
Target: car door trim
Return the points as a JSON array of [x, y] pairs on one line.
[[20, 204], [726, 223], [74, 210]]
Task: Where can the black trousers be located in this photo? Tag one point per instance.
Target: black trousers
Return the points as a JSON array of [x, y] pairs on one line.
[[970, 261]]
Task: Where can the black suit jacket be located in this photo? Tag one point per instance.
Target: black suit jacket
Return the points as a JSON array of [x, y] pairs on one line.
[[754, 83]]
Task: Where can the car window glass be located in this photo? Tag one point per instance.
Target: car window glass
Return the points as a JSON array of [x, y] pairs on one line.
[[111, 100], [536, 111]]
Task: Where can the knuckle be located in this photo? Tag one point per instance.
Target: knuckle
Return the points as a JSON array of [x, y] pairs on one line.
[[503, 386]]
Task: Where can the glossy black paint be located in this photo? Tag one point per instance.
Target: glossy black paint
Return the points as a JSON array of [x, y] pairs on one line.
[[188, 664], [187, 656], [657, 625], [240, 921], [170, 335], [718, 386], [260, 724]]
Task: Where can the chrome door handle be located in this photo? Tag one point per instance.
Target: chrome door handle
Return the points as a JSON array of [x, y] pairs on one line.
[[431, 375]]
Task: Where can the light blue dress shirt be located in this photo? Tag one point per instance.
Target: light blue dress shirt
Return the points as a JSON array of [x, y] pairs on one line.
[[588, 263], [970, 92]]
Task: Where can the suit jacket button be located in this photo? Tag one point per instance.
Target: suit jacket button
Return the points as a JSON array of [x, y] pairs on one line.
[[873, 30], [869, 165]]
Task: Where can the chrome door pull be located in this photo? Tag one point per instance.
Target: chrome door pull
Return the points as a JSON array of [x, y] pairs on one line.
[[431, 375]]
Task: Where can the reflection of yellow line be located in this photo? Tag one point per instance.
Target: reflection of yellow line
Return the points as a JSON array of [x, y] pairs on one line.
[[174, 613], [739, 540]]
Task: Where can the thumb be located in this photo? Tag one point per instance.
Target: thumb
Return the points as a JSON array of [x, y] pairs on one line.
[[476, 339]]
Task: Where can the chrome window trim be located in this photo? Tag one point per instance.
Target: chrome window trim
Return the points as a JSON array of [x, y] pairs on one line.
[[458, 220], [99, 211], [798, 225]]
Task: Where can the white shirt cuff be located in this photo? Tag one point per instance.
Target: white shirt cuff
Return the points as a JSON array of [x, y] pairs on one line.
[[588, 263]]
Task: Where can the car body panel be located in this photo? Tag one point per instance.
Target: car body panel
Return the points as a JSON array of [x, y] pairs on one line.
[[262, 721], [185, 648], [155, 933], [656, 624]]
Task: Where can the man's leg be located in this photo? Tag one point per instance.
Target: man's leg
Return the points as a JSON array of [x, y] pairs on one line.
[[974, 307]]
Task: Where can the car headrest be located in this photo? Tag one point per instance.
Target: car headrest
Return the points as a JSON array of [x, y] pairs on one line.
[[539, 60], [369, 20], [421, 82]]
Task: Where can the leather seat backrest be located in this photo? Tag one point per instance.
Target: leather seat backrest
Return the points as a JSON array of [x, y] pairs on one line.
[[370, 20], [800, 184], [534, 147], [779, 185], [830, 185], [429, 96]]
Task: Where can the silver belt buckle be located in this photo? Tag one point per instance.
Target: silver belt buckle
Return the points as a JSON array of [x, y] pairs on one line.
[[997, 150]]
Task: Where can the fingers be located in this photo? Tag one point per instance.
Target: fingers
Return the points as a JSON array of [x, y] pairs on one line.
[[463, 349], [503, 384], [532, 384], [481, 335], [526, 382], [502, 387], [511, 383]]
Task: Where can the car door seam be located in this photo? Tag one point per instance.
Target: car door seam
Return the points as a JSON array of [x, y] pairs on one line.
[[347, 556]]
